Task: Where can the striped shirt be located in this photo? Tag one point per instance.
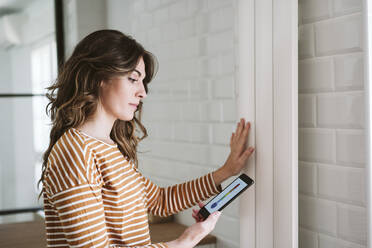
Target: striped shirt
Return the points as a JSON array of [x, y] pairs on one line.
[[95, 197]]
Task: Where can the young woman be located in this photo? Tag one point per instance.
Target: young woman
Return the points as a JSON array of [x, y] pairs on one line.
[[94, 196]]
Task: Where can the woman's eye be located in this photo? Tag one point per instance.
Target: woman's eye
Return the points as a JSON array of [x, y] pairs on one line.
[[132, 79]]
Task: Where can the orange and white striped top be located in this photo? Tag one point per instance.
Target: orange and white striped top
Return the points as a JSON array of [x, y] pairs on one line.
[[95, 197]]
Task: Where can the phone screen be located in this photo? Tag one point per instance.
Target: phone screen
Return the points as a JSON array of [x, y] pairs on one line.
[[226, 195]]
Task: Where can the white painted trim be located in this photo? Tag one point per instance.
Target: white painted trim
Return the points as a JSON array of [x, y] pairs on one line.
[[367, 38], [267, 78], [285, 81], [245, 97]]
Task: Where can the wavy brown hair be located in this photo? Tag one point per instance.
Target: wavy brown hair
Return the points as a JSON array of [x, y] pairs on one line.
[[74, 96]]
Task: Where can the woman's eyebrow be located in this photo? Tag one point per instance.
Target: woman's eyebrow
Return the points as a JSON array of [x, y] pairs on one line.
[[139, 73]]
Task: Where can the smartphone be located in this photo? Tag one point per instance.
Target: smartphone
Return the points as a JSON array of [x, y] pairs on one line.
[[232, 191]]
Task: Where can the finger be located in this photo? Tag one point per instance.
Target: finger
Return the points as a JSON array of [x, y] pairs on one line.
[[245, 131], [248, 130], [244, 137], [247, 153], [196, 217], [239, 128], [201, 204]]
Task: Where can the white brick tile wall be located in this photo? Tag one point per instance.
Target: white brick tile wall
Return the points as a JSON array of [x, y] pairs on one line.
[[332, 188], [330, 242], [194, 7], [213, 4], [224, 87], [211, 111], [190, 111], [344, 110], [219, 42], [318, 214], [139, 6], [161, 16], [220, 19], [352, 223], [164, 130], [307, 178], [191, 48], [188, 28], [179, 90], [315, 75], [351, 188], [152, 4], [227, 62], [182, 132], [343, 34], [349, 72], [200, 133], [177, 10], [307, 110], [222, 132], [315, 10], [351, 148], [317, 145], [200, 89], [342, 7], [228, 110], [218, 154], [306, 47], [307, 239]]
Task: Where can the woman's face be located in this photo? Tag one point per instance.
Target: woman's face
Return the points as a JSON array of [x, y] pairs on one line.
[[119, 93]]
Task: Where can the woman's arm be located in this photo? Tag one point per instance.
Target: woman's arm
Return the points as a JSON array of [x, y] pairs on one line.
[[173, 199]]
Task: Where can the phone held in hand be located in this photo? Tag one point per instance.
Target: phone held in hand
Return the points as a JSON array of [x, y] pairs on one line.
[[232, 191]]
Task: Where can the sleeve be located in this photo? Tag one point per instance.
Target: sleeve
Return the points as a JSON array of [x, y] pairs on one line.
[[173, 199], [77, 198]]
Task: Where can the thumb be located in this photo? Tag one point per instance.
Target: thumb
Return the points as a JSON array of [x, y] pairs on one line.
[[213, 216]]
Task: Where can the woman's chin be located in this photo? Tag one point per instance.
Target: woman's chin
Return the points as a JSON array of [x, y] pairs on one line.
[[127, 117]]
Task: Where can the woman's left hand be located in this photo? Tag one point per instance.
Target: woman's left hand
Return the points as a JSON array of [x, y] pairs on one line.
[[239, 154]]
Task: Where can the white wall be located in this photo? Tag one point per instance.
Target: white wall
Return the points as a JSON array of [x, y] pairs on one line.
[[190, 109], [332, 188]]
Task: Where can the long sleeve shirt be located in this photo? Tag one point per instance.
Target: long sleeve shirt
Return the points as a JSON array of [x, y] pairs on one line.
[[95, 197]]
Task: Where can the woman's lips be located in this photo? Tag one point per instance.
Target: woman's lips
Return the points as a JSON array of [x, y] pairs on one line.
[[133, 105]]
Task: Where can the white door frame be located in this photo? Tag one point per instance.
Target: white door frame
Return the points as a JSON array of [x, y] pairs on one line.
[[267, 95], [367, 38]]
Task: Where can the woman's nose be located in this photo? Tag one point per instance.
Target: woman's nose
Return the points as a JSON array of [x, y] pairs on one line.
[[142, 93]]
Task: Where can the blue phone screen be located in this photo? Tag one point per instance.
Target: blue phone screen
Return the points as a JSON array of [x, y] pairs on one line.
[[226, 195]]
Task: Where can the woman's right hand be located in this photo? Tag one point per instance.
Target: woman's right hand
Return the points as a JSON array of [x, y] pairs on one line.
[[196, 232]]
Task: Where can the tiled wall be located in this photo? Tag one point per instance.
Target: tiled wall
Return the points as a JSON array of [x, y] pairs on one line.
[[190, 109], [332, 200]]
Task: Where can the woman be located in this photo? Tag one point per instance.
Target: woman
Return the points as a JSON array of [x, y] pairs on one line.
[[94, 196]]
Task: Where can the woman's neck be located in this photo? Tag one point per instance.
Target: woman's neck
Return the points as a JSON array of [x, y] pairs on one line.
[[99, 125]]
